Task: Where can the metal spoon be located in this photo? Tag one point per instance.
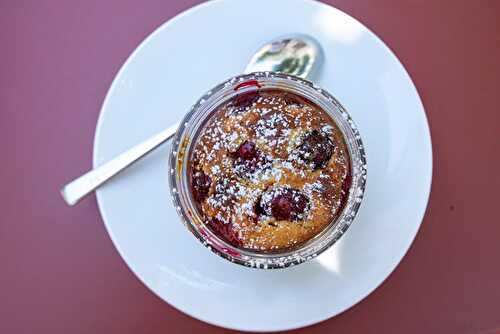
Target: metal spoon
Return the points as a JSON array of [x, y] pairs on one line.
[[296, 54]]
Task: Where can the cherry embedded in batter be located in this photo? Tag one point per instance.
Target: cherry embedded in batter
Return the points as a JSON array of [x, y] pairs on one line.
[[225, 231], [346, 185], [248, 160], [316, 148], [201, 185], [243, 101], [284, 204], [247, 150], [257, 207]]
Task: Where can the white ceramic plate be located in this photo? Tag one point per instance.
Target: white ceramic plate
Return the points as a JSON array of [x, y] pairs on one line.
[[187, 56]]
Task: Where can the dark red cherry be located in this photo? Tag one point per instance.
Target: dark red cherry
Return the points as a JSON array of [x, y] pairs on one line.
[[201, 185], [284, 204], [225, 231], [346, 185], [259, 211], [242, 101], [248, 160], [316, 148], [281, 207], [247, 150]]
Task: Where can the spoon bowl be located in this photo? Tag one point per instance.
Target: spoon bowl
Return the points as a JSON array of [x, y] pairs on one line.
[[296, 54]]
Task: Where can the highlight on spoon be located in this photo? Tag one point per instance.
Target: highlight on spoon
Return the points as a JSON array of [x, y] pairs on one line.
[[295, 54]]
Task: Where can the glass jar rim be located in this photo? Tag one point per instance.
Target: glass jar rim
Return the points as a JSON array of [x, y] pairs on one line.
[[185, 137]]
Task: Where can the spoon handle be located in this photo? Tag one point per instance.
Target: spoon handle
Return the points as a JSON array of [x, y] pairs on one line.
[[88, 182]]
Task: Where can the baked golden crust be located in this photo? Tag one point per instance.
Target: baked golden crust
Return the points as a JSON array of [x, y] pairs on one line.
[[270, 170]]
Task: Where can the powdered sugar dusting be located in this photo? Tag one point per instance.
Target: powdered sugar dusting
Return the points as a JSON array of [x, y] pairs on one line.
[[277, 124]]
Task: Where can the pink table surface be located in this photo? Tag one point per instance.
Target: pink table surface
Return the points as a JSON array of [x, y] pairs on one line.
[[60, 272]]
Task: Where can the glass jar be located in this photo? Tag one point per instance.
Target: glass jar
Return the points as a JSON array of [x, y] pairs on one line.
[[193, 123]]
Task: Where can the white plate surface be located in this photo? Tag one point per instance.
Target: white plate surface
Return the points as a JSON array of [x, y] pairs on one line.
[[190, 54]]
